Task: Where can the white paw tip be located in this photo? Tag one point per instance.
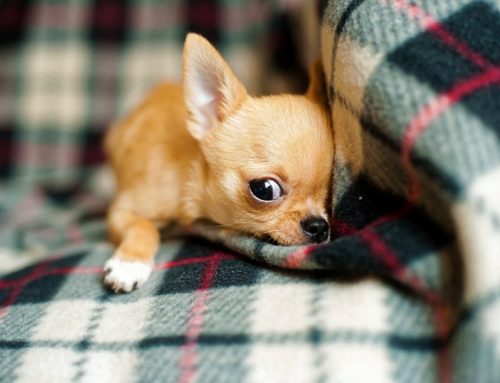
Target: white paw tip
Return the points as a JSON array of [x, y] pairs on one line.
[[125, 276]]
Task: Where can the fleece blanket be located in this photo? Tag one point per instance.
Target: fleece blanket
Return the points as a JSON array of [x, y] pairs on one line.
[[407, 290]]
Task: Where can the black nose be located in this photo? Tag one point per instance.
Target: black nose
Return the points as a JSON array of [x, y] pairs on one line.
[[315, 228]]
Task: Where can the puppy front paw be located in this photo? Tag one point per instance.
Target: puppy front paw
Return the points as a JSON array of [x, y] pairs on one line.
[[124, 276]]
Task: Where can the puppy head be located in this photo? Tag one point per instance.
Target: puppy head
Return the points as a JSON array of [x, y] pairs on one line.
[[268, 159]]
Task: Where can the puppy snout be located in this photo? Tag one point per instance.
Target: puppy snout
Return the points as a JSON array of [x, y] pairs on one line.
[[315, 228]]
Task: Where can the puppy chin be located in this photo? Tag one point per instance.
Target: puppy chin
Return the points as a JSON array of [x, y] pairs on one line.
[[288, 240]]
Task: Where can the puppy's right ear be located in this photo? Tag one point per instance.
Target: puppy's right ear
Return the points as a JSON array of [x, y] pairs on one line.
[[317, 84], [211, 90]]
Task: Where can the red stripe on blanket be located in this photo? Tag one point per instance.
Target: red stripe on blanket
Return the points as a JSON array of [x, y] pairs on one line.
[[188, 360], [42, 270], [401, 272], [210, 258], [434, 26], [18, 288], [97, 270], [382, 250], [298, 257], [9, 301]]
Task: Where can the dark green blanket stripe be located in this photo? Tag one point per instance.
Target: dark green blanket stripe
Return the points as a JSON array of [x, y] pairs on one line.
[[400, 342]]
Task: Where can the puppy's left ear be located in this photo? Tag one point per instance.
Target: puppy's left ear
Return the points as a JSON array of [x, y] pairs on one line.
[[317, 84], [211, 90]]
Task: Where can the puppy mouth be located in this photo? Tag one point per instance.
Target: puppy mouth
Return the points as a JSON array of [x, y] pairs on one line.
[[288, 241], [280, 241], [267, 238], [291, 239]]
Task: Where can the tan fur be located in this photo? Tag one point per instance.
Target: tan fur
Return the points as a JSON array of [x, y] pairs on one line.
[[169, 169]]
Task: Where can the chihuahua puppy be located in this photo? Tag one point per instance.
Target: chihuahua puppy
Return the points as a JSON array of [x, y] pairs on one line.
[[208, 150]]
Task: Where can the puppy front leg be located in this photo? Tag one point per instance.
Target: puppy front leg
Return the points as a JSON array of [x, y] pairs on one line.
[[132, 262]]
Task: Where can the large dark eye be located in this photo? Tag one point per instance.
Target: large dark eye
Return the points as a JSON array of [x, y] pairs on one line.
[[266, 189]]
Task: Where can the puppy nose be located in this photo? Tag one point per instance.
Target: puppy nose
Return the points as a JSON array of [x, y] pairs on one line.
[[315, 228]]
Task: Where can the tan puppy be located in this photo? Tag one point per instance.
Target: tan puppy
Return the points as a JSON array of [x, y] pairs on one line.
[[208, 150]]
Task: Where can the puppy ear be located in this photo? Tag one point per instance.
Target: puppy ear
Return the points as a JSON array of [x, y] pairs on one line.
[[317, 85], [211, 90]]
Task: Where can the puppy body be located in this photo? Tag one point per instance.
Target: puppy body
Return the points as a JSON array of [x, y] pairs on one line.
[[193, 151], [153, 156]]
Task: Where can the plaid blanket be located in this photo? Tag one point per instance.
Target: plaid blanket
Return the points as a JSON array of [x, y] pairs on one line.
[[405, 292]]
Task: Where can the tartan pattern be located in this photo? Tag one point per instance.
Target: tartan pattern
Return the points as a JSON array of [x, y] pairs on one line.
[[233, 321], [408, 289]]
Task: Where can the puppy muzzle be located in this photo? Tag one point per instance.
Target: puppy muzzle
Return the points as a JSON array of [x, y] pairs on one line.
[[316, 228]]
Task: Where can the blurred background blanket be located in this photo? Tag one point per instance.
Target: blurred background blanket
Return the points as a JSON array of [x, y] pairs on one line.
[[407, 290]]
